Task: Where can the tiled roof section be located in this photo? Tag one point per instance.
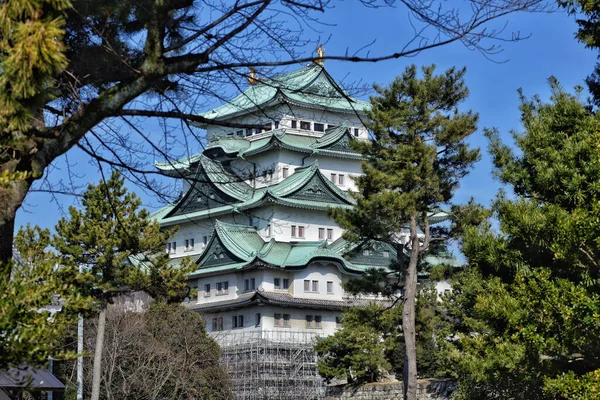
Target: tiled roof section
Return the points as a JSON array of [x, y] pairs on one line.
[[310, 86], [216, 192], [233, 247], [334, 143], [283, 299]]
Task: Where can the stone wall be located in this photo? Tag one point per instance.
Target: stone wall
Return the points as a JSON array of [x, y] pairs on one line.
[[428, 389]]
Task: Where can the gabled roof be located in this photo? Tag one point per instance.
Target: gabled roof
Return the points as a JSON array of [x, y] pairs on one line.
[[216, 192], [310, 86], [234, 247]]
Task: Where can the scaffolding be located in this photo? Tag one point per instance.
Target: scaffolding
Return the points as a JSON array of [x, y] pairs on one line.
[[271, 364]]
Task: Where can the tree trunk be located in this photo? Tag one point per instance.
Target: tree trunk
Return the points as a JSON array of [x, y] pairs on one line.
[[97, 371], [11, 198], [409, 374]]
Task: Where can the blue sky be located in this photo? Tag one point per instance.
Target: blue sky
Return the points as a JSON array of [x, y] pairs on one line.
[[551, 50]]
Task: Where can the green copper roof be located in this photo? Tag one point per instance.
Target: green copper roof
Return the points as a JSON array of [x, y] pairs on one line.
[[310, 86], [216, 192], [334, 143], [233, 247]]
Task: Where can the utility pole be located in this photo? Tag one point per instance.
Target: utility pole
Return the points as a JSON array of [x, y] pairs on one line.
[[80, 352]]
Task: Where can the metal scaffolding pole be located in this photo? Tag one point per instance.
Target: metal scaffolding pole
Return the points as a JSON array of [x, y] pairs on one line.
[[271, 364]]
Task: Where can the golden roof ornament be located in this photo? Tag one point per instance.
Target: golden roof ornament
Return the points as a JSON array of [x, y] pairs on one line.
[[320, 54], [252, 76]]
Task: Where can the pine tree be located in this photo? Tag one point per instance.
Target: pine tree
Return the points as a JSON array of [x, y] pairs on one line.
[[121, 250], [414, 162], [527, 312]]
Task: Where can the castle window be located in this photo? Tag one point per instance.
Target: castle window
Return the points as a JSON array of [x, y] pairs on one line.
[[189, 244], [257, 317], [237, 321], [329, 287], [207, 290], [293, 230], [300, 231], [172, 247], [286, 283], [386, 254], [366, 253], [205, 240], [313, 321], [249, 132], [315, 286], [311, 288], [276, 124], [319, 127], [356, 132], [341, 179], [338, 322], [305, 125], [249, 284], [294, 124], [321, 233], [282, 320], [217, 324], [277, 283], [329, 234], [240, 133], [333, 178], [286, 172], [222, 287]]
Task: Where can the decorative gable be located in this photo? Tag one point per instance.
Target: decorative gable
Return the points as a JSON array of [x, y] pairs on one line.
[[316, 189], [201, 196], [216, 254]]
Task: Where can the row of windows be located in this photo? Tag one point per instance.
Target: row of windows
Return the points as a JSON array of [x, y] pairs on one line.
[[313, 286], [337, 179], [329, 233], [281, 284], [297, 231], [279, 320], [222, 288], [189, 245], [304, 125], [278, 284]]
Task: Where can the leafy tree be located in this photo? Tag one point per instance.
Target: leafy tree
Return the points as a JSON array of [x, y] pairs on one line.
[[370, 343], [161, 353], [588, 34], [121, 249], [30, 331], [526, 313], [414, 162], [70, 69]]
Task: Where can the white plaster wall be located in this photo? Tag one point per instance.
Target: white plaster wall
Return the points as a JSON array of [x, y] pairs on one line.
[[322, 273], [267, 323], [328, 165], [197, 229], [286, 113], [284, 217], [213, 296]]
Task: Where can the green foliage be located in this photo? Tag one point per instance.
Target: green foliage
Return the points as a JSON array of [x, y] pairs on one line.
[[119, 246], [588, 19], [370, 342], [31, 56], [122, 251], [527, 312], [27, 331], [417, 155], [358, 352]]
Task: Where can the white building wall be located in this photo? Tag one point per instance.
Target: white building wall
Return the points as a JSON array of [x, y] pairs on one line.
[[284, 114], [267, 319], [320, 273]]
